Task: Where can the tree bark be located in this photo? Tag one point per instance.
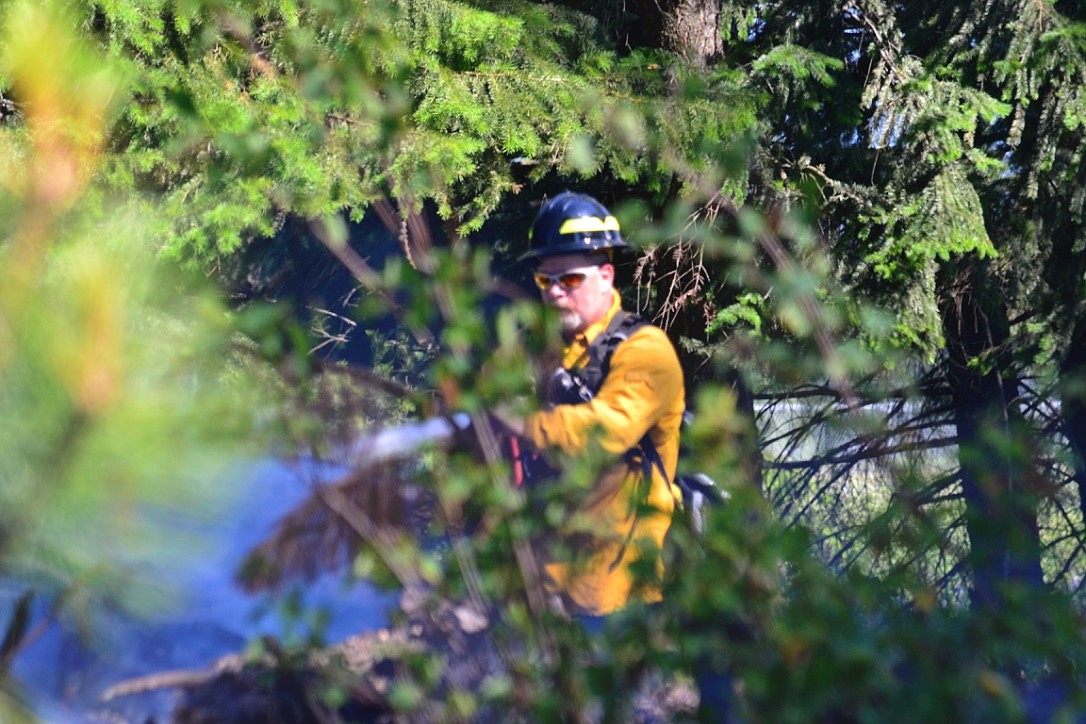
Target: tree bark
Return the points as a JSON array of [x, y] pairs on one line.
[[1064, 227], [689, 28], [1072, 390], [1001, 518]]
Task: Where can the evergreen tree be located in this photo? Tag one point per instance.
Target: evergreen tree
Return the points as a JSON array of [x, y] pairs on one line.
[[953, 178], [802, 172]]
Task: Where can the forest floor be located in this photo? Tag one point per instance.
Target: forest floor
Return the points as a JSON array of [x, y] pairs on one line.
[[286, 687]]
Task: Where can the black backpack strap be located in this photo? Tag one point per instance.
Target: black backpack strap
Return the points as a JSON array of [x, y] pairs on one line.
[[649, 456], [621, 328], [582, 383], [600, 351], [698, 490]]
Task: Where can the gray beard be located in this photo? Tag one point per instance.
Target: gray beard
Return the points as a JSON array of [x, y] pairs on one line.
[[570, 321]]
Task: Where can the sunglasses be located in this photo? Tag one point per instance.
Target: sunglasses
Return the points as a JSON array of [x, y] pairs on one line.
[[569, 279]]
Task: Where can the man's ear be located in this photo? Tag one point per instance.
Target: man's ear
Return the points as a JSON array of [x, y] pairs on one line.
[[607, 272]]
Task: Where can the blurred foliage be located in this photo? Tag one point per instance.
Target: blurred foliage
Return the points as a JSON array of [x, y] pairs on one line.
[[122, 402], [868, 217]]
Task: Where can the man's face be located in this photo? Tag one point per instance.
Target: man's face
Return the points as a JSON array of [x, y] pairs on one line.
[[579, 287]]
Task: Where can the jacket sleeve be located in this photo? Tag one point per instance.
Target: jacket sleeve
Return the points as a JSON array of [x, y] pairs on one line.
[[643, 380]]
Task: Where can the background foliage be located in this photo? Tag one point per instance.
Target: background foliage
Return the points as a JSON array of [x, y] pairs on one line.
[[861, 222]]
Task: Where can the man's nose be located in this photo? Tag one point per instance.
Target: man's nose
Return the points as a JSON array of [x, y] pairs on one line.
[[554, 289]]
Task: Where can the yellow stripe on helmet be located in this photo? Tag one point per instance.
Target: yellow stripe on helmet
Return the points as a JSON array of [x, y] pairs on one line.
[[588, 224]]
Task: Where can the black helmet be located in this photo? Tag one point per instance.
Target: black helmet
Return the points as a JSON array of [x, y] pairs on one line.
[[571, 223]]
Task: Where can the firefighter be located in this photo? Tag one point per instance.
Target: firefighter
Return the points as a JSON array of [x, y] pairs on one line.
[[619, 387]]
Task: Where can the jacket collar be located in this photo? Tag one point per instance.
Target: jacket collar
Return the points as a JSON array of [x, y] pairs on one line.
[[574, 354]]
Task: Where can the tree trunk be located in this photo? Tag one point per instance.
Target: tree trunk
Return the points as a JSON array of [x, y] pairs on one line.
[[1072, 390], [1001, 517], [1062, 223], [689, 28]]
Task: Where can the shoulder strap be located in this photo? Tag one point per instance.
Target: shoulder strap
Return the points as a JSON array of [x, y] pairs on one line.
[[621, 327]]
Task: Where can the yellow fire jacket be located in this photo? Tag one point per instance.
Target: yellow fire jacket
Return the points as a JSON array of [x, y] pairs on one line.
[[642, 393]]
